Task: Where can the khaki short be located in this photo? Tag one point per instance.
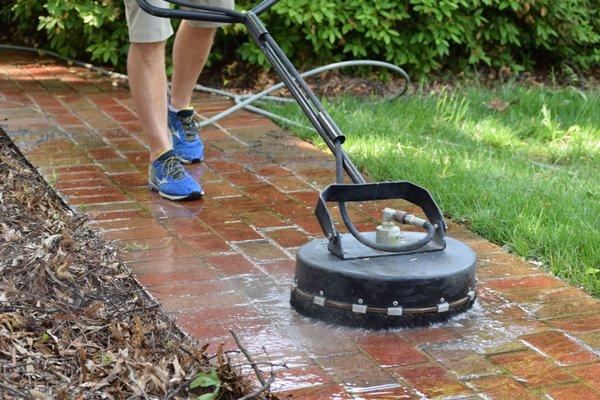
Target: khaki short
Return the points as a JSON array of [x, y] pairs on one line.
[[146, 28]]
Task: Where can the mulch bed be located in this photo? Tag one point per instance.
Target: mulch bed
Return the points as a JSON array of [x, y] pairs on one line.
[[74, 323]]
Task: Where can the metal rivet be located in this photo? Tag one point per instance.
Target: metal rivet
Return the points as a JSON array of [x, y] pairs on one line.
[[395, 303], [320, 293], [360, 301]]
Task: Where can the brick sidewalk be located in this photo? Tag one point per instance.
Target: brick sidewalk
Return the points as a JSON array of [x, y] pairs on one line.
[[227, 260]]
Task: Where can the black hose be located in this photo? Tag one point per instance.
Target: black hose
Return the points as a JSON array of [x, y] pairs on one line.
[[339, 175]]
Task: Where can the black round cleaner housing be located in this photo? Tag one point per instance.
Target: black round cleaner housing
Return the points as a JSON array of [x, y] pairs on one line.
[[384, 291], [387, 278]]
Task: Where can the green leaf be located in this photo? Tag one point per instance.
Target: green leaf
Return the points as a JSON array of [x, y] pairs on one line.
[[206, 380]]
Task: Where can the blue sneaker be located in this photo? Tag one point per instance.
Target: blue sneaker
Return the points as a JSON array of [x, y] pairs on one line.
[[187, 145], [167, 176]]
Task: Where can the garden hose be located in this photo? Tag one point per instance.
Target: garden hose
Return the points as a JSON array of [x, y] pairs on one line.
[[398, 216]]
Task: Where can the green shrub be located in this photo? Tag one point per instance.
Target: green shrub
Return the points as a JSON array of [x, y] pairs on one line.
[[88, 29], [421, 35]]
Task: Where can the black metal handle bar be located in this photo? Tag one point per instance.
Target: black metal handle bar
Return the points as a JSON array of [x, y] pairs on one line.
[[202, 12]]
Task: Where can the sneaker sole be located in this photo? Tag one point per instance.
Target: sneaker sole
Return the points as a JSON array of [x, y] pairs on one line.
[[191, 196]]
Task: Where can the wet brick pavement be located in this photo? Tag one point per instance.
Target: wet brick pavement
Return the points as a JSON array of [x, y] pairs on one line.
[[227, 261]]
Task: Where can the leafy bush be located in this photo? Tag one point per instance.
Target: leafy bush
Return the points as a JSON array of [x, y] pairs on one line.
[[84, 28], [422, 35]]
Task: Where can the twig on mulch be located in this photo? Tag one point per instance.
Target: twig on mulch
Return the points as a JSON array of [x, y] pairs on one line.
[[265, 387], [13, 390], [257, 371], [266, 384]]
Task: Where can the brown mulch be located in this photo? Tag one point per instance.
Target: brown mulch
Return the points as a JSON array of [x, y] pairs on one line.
[[74, 323]]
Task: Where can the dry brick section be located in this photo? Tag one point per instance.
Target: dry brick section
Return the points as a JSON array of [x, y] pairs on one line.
[[228, 260]]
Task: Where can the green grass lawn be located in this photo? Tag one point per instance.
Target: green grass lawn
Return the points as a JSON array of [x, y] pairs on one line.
[[527, 177]]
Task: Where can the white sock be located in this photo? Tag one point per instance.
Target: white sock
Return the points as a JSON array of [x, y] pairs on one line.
[[173, 109]]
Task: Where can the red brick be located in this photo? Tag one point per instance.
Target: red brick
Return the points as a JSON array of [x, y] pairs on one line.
[[200, 302], [583, 324], [385, 392], [261, 251], [539, 282], [129, 144], [240, 205], [390, 350], [355, 370], [207, 244], [282, 267], [140, 157], [136, 233], [220, 315], [591, 339], [501, 388], [155, 278], [107, 198], [172, 213], [218, 215], [79, 176], [186, 227], [288, 237], [310, 224], [173, 265], [419, 336], [431, 381], [159, 254], [236, 231], [266, 194], [130, 179], [562, 349], [309, 198], [464, 363], [117, 166], [535, 295], [532, 369], [219, 189], [242, 178], [89, 183], [323, 392], [233, 264], [271, 170], [120, 214], [96, 191], [184, 289], [264, 219], [104, 153], [127, 224], [288, 183], [573, 392], [297, 378], [225, 167], [590, 373]]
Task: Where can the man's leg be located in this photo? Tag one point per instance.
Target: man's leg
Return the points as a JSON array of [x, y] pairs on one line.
[[148, 83], [191, 49]]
